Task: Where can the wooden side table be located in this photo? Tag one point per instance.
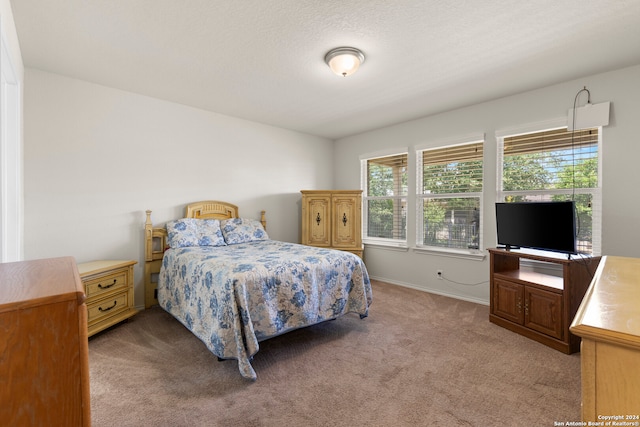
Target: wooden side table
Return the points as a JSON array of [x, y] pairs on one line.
[[108, 286]]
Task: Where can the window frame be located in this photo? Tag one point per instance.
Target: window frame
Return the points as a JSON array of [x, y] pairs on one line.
[[595, 192], [421, 197], [364, 179]]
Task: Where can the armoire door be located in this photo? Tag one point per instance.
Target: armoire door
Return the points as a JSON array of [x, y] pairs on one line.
[[317, 210], [346, 221]]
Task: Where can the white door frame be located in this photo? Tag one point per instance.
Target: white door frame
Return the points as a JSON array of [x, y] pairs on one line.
[[11, 155]]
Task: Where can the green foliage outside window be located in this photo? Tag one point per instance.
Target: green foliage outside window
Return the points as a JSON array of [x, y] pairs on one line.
[[387, 185], [556, 170], [454, 221]]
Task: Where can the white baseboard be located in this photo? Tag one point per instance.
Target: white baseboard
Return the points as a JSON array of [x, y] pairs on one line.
[[431, 291]]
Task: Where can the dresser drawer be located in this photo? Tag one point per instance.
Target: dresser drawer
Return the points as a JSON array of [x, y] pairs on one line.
[[108, 283], [108, 307]]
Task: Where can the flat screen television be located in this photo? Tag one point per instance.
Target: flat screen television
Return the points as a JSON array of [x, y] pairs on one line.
[[547, 226]]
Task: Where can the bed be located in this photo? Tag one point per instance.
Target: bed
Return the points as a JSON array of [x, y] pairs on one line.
[[232, 286]]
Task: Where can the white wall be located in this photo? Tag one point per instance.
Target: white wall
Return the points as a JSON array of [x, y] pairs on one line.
[[96, 158], [621, 180]]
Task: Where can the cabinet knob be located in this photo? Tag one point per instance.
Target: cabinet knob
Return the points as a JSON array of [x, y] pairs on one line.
[[318, 218], [344, 219]]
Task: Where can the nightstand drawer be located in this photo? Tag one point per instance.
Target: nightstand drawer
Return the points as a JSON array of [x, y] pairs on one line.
[[112, 282], [107, 307]]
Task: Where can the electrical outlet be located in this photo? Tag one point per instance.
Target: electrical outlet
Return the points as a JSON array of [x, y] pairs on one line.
[[439, 273]]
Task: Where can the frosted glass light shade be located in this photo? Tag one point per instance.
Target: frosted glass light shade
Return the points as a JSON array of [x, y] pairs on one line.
[[344, 61]]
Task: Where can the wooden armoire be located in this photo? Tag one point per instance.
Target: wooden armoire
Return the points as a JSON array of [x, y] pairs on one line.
[[333, 219]]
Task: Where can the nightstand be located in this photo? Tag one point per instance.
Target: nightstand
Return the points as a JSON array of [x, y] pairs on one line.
[[108, 286]]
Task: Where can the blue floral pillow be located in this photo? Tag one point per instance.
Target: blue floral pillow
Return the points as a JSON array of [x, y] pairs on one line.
[[242, 230], [194, 232]]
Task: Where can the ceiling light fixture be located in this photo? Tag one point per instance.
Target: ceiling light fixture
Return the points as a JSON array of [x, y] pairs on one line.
[[344, 61]]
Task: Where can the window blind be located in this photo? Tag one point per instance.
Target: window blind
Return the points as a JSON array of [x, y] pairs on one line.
[[458, 153], [450, 203], [454, 169], [551, 160], [555, 165], [385, 202], [386, 176], [398, 160], [552, 140]]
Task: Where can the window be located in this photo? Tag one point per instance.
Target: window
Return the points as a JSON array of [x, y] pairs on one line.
[[555, 165], [449, 199], [384, 182]]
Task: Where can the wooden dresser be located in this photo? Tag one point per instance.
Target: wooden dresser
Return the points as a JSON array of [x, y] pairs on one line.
[[108, 285], [44, 355], [608, 321], [333, 219]]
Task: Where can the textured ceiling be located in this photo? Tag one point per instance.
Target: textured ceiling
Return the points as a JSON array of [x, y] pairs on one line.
[[262, 60]]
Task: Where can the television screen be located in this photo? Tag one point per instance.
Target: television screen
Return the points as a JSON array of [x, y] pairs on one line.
[[549, 226]]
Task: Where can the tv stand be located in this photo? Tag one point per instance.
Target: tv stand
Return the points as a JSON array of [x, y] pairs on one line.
[[509, 247], [538, 305]]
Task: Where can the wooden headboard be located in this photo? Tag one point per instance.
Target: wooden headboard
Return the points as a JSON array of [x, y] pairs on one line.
[[155, 241]]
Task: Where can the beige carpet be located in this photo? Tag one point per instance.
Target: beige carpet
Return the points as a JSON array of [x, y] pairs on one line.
[[417, 360]]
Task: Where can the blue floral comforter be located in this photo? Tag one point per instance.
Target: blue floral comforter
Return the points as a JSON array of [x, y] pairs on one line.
[[232, 297]]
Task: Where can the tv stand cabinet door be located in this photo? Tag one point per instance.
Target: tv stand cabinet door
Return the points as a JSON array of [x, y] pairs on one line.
[[508, 300], [543, 312]]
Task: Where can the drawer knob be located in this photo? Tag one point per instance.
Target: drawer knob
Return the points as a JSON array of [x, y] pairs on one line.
[[107, 286], [108, 308]]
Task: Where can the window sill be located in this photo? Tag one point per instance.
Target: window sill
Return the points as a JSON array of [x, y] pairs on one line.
[[476, 255], [392, 246]]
